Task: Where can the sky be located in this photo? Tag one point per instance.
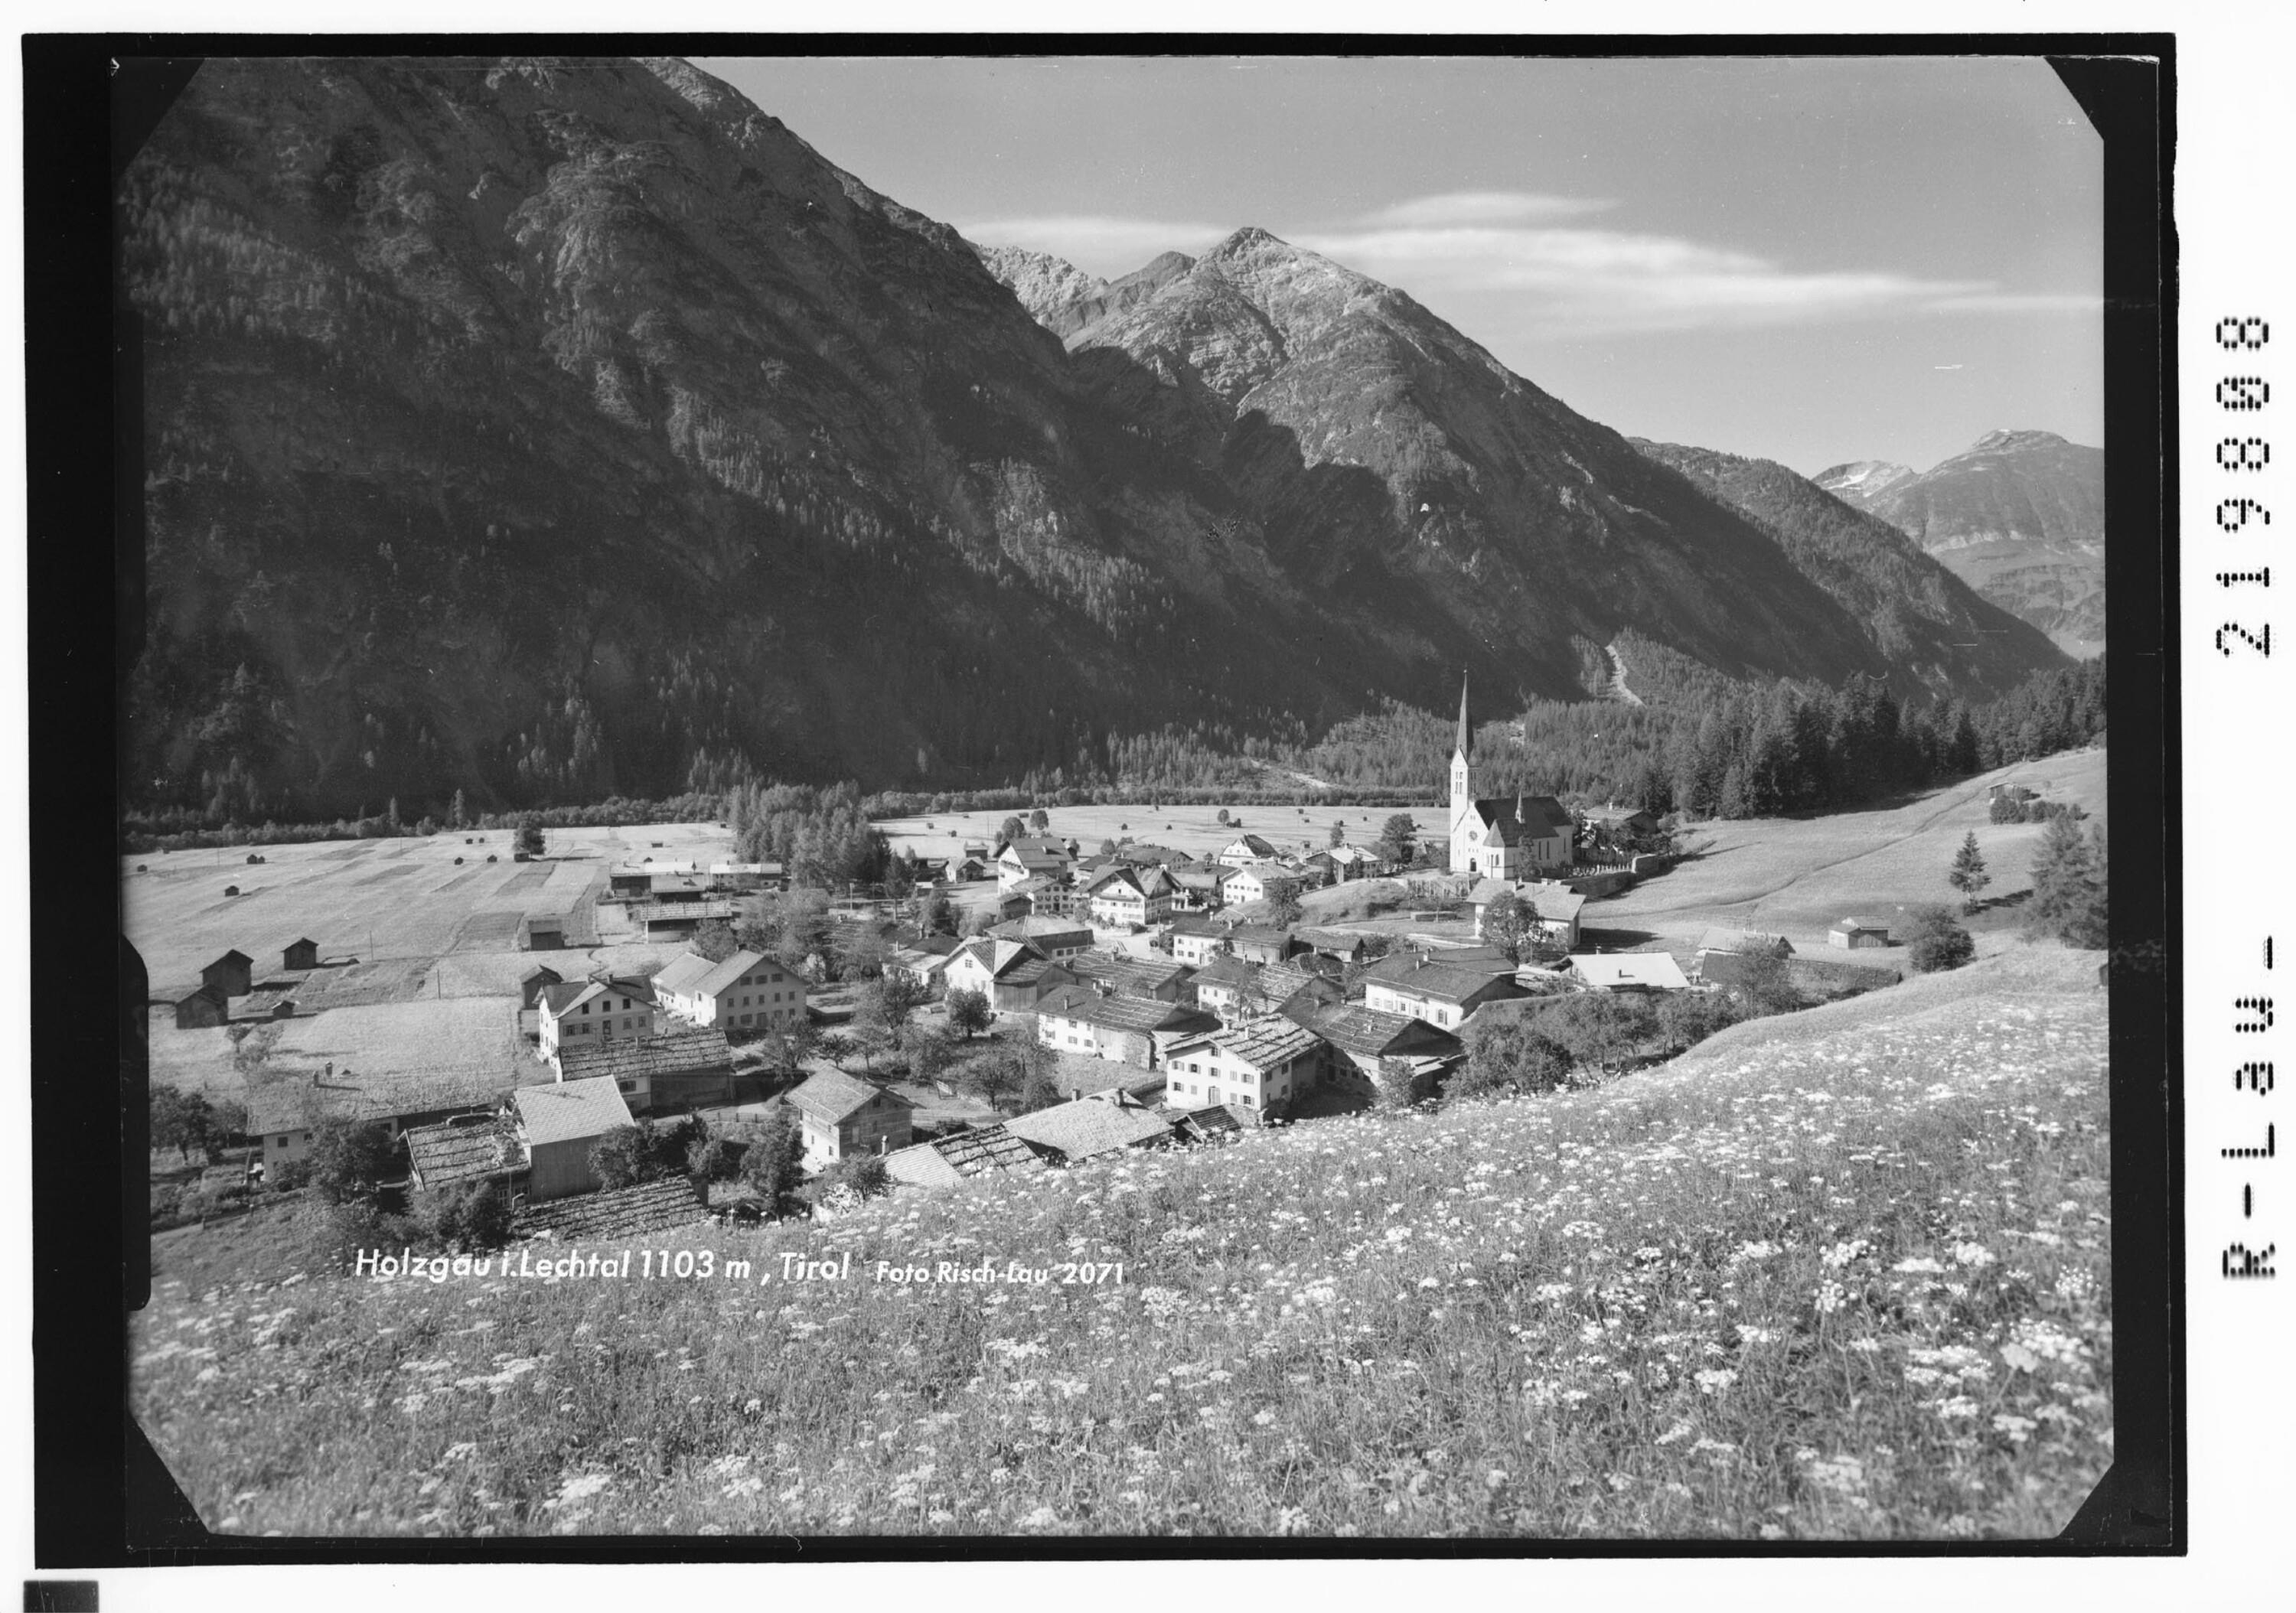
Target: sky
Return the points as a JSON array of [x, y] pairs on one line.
[[1808, 260]]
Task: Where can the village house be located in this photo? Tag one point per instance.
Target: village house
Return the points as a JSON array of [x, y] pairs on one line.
[[1075, 1075], [1134, 977], [1858, 932], [1231, 988], [967, 868], [1260, 943], [629, 884], [232, 975], [1298, 995], [467, 1148], [1011, 974], [530, 984], [560, 1125], [1260, 882], [1355, 862], [1056, 938], [1341, 946], [925, 960], [840, 1117], [984, 1151], [1280, 982], [1084, 1128], [746, 991], [1198, 889], [1361, 1037], [1259, 1064], [582, 1012], [1027, 858], [1196, 939], [1552, 908], [1442, 993], [1132, 1030], [1629, 971], [1125, 898], [742, 879], [675, 1070], [1243, 850]]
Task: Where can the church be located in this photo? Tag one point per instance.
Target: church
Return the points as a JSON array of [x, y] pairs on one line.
[[1498, 837]]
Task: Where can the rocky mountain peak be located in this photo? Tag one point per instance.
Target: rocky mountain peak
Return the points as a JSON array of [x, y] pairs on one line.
[[2010, 442]]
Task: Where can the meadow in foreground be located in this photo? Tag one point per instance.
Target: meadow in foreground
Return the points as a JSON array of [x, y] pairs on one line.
[[1840, 1275]]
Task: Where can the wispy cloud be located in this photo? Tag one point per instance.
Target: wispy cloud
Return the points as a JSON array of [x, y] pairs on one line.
[[1480, 207], [1583, 281], [1563, 280], [1098, 243]]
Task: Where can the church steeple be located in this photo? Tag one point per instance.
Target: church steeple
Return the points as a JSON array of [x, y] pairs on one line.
[[1464, 740]]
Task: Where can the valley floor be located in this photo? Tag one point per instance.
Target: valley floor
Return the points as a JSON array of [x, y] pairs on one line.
[[1842, 1274]]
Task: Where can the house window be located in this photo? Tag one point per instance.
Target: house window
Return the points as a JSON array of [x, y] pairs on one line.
[[282, 1141], [586, 1008]]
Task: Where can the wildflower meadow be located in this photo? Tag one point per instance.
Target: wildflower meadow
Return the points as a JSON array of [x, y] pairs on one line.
[[1839, 1275]]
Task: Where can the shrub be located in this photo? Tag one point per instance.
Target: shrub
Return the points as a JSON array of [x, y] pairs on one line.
[[772, 1165], [463, 1216], [861, 1176], [1939, 942], [348, 1159], [626, 1155]]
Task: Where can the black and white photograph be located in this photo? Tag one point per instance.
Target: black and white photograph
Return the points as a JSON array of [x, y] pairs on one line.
[[1326, 799]]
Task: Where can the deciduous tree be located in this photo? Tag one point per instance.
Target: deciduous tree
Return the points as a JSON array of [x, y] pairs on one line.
[[968, 1012]]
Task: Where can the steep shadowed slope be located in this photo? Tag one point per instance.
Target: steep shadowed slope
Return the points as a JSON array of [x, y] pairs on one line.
[[1396, 467], [544, 429], [1918, 613], [536, 426]]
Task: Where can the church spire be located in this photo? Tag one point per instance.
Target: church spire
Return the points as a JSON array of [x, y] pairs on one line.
[[1518, 803], [1463, 715]]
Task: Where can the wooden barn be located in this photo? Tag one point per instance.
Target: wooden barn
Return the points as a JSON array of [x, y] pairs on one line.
[[203, 1008], [532, 982], [301, 954], [543, 933], [1855, 932], [232, 975]]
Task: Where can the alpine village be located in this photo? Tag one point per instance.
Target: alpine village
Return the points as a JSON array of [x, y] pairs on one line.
[[856, 849]]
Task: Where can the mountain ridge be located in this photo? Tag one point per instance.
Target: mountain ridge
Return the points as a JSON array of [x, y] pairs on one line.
[[2019, 515], [549, 429]]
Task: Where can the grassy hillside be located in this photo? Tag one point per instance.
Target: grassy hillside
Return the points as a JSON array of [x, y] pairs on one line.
[[1840, 1275]]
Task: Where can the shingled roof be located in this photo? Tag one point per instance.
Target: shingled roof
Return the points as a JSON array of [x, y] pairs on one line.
[[828, 1096], [690, 973], [1083, 1127], [680, 1052], [460, 1150], [1122, 1013], [985, 1150], [1371, 1033], [1138, 976], [302, 1099], [621, 1212], [1266, 1042], [1447, 983], [570, 1111]]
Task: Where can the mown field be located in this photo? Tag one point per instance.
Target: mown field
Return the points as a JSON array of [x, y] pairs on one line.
[[1842, 1274], [1796, 876], [1195, 830]]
